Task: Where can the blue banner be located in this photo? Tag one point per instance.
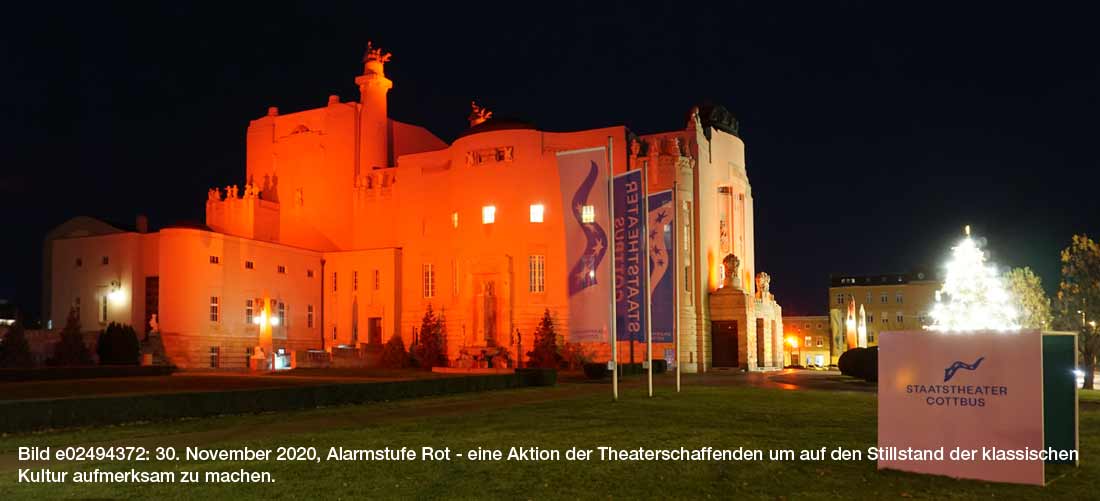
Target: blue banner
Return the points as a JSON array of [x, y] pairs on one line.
[[583, 180], [662, 269], [631, 255]]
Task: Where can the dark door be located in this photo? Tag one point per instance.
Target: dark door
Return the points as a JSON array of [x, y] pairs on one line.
[[152, 301], [724, 339], [760, 361], [374, 330]]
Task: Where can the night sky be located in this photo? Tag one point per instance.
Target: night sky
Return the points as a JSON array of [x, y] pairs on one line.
[[873, 133]]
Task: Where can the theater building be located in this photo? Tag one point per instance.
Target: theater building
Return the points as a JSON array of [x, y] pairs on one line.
[[347, 224]]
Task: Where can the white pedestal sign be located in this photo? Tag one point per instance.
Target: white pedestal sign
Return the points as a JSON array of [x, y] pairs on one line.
[[975, 396]]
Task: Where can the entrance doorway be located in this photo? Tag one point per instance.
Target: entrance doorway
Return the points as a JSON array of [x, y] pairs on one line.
[[724, 340], [760, 361]]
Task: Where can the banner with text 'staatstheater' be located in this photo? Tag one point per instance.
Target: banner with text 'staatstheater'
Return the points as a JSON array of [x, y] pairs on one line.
[[631, 255], [583, 177], [985, 405], [662, 266]]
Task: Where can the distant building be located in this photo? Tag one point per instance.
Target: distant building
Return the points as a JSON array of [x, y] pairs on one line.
[[809, 340], [891, 302]]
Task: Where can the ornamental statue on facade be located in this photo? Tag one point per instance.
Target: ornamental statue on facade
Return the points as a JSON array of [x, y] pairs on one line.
[[731, 265], [478, 114]]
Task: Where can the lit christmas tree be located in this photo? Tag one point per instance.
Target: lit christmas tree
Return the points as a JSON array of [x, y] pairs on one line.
[[973, 296]]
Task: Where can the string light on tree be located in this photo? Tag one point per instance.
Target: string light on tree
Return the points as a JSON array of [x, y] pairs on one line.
[[973, 296]]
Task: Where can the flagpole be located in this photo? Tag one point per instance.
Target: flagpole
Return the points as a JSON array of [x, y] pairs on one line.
[[676, 278], [648, 278], [611, 250]]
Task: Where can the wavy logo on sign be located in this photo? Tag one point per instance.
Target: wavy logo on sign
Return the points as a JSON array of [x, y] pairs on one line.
[[949, 372], [583, 274]]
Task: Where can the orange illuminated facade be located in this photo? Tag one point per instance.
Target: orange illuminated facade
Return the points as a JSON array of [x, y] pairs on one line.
[[348, 224]]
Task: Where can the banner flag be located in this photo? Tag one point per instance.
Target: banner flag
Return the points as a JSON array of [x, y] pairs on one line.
[[662, 258], [583, 178], [631, 253]]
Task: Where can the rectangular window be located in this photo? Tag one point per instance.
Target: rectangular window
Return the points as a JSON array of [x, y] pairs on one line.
[[901, 317], [488, 214], [309, 273], [885, 298], [820, 341], [839, 300], [215, 355], [454, 278], [428, 274], [280, 269], [334, 333], [809, 341], [898, 298], [106, 260], [870, 299], [248, 311], [334, 282], [103, 309], [885, 318], [588, 214], [215, 260], [282, 314], [377, 280], [454, 220], [870, 318], [355, 280], [309, 316], [537, 211], [248, 265], [214, 313], [79, 262], [536, 273]]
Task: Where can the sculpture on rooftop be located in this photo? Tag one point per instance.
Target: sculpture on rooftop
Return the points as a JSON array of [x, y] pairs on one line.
[[478, 114], [376, 54]]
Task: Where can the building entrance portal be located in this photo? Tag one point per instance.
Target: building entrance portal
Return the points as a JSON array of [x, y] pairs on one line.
[[724, 339]]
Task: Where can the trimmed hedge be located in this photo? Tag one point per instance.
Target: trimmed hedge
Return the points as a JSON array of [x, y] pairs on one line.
[[600, 371], [596, 370], [29, 415], [55, 373], [860, 363]]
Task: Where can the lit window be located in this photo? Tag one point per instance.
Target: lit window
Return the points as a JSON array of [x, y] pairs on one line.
[[215, 260], [248, 311], [820, 342], [309, 316], [898, 298], [588, 214], [809, 341], [488, 214], [537, 211], [536, 273], [248, 265], [214, 310], [280, 269], [454, 219], [429, 280]]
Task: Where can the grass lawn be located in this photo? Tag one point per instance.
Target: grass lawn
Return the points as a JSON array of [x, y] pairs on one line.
[[720, 417]]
